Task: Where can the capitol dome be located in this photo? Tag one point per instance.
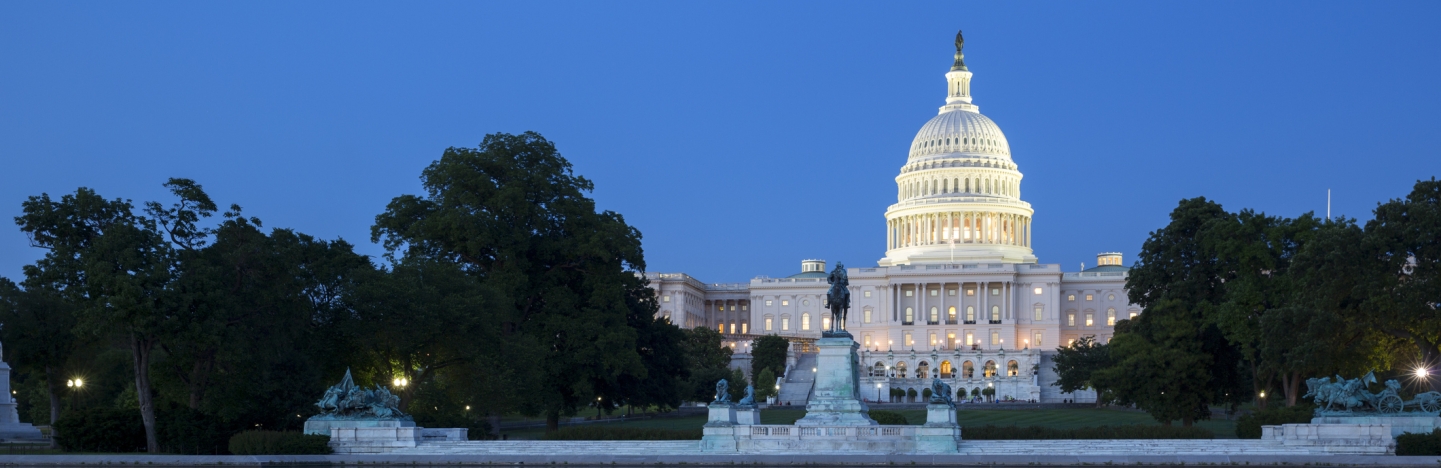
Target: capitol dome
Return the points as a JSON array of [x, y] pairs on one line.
[[960, 131], [958, 196]]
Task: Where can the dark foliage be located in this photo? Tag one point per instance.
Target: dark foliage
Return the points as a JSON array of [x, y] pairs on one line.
[[1249, 426], [100, 430], [191, 432], [279, 443], [990, 432], [889, 418], [1419, 444]]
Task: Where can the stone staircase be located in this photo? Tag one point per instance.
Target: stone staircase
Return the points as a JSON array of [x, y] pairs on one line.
[[554, 447], [967, 447], [796, 389]]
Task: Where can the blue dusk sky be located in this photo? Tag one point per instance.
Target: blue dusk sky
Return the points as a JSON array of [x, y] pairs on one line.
[[738, 137]]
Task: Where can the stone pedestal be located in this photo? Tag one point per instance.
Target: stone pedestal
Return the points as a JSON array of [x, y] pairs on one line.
[[1350, 439], [747, 415], [374, 439], [321, 426], [940, 434], [836, 401], [719, 433], [10, 426], [1401, 423]]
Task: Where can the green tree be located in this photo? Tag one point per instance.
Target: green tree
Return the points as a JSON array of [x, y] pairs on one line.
[[550, 267], [38, 331], [709, 361], [1074, 365], [737, 384], [769, 352], [1402, 271], [765, 384]]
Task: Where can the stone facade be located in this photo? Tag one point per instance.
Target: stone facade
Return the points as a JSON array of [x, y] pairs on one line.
[[959, 294]]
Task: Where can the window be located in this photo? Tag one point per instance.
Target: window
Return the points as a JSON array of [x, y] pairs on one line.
[[933, 340], [909, 341], [995, 292], [946, 369], [733, 328], [743, 307], [768, 302], [1110, 317], [1070, 320], [1088, 297], [970, 339], [1036, 339], [995, 313], [909, 293], [744, 329], [720, 307], [951, 315], [785, 303], [950, 340], [867, 316], [733, 308], [1013, 369], [1071, 342], [990, 369], [935, 293], [995, 337], [665, 299], [825, 323], [910, 316], [1040, 313], [1110, 297], [951, 292], [1133, 314], [1071, 297], [968, 370], [806, 302], [1089, 320], [1039, 291], [805, 321], [721, 328], [867, 293], [970, 292], [768, 324], [935, 315], [785, 323], [970, 314]]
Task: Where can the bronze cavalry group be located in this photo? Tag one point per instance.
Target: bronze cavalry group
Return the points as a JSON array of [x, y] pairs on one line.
[[1349, 396]]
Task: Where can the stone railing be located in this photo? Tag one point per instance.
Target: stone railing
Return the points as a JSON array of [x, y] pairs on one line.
[[830, 432], [788, 280], [1096, 274], [727, 287]]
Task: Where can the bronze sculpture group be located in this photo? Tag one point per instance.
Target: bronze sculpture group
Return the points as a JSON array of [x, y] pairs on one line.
[[348, 401], [1350, 396]]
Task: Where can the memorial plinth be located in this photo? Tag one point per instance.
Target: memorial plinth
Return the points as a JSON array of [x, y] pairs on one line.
[[10, 425], [836, 399]]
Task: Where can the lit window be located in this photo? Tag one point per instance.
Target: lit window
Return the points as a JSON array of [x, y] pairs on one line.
[[909, 342], [785, 303], [1133, 314], [1110, 317], [744, 330], [733, 308], [1070, 342], [1070, 320], [665, 299], [935, 315], [1071, 297], [1039, 313], [733, 328], [743, 307], [970, 339], [951, 314], [785, 323], [868, 315], [933, 339], [868, 341], [935, 293], [720, 307], [1089, 320], [970, 292], [1038, 291], [825, 323], [805, 321], [768, 324], [721, 328], [995, 313], [867, 294], [995, 338], [910, 315], [1036, 339], [1110, 297], [971, 314], [768, 302], [1088, 297], [995, 292], [909, 293]]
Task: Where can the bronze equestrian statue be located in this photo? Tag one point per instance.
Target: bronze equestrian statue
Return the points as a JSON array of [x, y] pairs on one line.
[[839, 299]]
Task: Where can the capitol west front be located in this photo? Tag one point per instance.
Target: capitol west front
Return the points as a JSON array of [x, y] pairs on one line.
[[959, 295]]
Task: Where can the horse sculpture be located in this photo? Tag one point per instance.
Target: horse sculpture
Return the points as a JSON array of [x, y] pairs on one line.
[[839, 299]]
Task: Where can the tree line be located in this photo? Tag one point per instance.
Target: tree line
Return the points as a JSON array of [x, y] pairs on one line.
[[502, 291], [1239, 303]]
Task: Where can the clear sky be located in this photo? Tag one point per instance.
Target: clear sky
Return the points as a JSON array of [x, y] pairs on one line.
[[738, 137]]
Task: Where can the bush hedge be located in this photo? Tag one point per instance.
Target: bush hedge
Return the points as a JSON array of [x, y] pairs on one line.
[[279, 443], [100, 430], [1419, 444], [890, 418], [1249, 426], [602, 432], [991, 432], [186, 431]]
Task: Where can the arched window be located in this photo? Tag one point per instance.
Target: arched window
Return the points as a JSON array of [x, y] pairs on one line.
[[946, 369], [923, 370], [878, 370], [970, 314], [995, 313], [1111, 317], [910, 316], [935, 315], [968, 370], [1013, 369], [785, 323], [951, 315], [990, 369], [806, 321], [825, 322], [901, 370], [769, 325], [721, 328]]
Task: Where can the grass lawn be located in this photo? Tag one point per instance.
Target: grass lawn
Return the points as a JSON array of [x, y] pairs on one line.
[[1053, 418]]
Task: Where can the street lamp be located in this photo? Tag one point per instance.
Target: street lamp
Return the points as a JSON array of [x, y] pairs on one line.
[[401, 382], [1422, 373]]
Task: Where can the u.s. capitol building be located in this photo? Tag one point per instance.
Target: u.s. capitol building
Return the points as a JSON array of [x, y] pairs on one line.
[[959, 294]]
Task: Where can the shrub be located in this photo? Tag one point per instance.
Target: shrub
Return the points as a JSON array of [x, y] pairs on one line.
[[601, 432], [990, 432], [1419, 444], [279, 443], [890, 418], [101, 430], [1249, 426], [183, 430]]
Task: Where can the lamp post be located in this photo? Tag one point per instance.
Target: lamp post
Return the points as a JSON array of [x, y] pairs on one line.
[[74, 385]]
